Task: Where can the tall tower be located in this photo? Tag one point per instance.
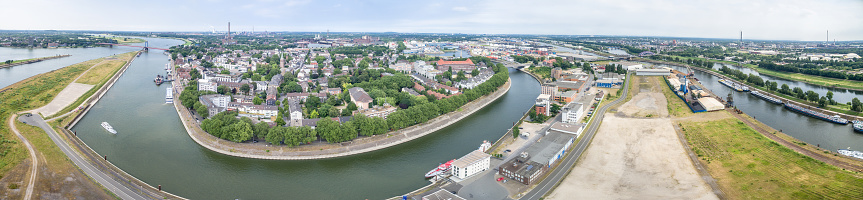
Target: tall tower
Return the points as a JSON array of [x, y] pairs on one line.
[[229, 31], [741, 37], [828, 36]]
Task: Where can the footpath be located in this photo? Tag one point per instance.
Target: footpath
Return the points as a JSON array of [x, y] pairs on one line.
[[360, 145]]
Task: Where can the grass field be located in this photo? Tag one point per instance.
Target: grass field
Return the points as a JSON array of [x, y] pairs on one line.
[[748, 165], [123, 40], [28, 94], [98, 76]]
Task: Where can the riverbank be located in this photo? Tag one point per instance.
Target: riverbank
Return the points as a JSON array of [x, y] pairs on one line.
[[357, 146], [750, 162], [32, 60], [811, 79]]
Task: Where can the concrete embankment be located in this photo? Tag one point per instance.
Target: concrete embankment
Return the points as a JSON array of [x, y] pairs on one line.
[[32, 61], [357, 146], [100, 161], [829, 112]]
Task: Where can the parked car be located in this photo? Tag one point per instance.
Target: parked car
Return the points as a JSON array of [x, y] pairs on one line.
[[500, 179]]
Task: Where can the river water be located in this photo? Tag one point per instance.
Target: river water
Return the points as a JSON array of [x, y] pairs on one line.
[[152, 145], [11, 75], [810, 130], [839, 95]]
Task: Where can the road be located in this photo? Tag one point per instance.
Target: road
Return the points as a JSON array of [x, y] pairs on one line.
[[560, 172], [101, 177], [34, 161]]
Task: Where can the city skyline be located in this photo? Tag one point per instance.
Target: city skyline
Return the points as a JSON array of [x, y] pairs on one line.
[[778, 20]]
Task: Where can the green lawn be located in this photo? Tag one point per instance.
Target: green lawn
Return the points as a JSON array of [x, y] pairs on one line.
[[748, 165]]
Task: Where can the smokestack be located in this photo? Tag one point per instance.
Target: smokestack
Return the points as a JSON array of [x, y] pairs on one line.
[[828, 36], [229, 30]]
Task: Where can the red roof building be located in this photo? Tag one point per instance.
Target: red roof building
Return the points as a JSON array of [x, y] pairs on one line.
[[444, 65]]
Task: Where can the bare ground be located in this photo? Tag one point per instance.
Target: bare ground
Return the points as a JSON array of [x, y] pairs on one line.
[[15, 177], [632, 157]]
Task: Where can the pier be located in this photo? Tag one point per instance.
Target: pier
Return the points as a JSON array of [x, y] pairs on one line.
[[32, 61]]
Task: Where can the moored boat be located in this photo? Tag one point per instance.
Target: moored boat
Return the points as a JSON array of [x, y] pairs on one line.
[[851, 153], [858, 126], [765, 97], [441, 169], [812, 113]]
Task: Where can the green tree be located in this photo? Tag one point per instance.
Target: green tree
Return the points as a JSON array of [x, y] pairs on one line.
[[237, 132], [257, 101], [223, 90], [829, 96], [333, 112], [261, 129], [330, 130], [245, 88], [856, 105], [474, 72], [314, 114], [312, 102], [822, 102], [812, 96], [276, 135], [201, 109]]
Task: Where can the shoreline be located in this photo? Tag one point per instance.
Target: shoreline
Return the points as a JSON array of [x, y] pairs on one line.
[[32, 60], [364, 145]]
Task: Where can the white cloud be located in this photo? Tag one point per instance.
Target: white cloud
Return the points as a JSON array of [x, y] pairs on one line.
[[460, 9]]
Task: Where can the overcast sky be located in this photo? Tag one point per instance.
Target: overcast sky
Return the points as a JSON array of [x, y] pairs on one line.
[[758, 19]]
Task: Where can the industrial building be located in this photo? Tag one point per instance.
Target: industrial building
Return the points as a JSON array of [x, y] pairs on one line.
[[471, 164], [571, 112], [574, 129], [652, 72], [538, 158]]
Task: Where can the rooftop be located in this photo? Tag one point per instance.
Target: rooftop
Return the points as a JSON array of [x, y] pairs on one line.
[[448, 62], [470, 158], [359, 94], [547, 147]]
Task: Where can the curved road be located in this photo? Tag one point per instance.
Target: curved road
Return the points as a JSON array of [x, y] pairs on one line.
[[101, 177], [34, 161], [560, 172]]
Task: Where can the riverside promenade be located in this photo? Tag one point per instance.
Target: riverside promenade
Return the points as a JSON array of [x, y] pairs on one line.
[[357, 146]]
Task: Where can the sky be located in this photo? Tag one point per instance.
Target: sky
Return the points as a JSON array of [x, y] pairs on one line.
[[758, 19]]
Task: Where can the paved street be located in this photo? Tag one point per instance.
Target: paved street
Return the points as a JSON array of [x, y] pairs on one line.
[[104, 179], [559, 173]]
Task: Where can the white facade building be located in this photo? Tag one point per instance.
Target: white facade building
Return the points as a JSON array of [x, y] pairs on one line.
[[571, 112], [206, 85], [471, 164]]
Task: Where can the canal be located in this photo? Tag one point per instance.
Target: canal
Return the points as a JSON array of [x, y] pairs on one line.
[[839, 95], [810, 130], [152, 145]]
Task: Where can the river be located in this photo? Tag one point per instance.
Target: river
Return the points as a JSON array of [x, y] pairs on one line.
[[839, 95], [810, 130], [14, 74], [152, 145]]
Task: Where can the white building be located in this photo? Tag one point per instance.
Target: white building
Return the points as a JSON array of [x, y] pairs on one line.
[[254, 111], [571, 112], [471, 164], [206, 85]]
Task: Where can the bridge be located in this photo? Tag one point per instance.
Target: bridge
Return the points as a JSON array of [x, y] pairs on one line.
[[146, 46]]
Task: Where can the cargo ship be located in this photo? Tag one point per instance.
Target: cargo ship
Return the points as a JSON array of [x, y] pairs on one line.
[[812, 113], [735, 86], [441, 169], [765, 97], [850, 153]]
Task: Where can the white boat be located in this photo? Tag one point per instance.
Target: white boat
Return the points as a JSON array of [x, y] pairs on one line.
[[108, 127], [848, 152], [169, 95], [441, 169]]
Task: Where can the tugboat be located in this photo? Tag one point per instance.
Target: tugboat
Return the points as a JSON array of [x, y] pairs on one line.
[[159, 80]]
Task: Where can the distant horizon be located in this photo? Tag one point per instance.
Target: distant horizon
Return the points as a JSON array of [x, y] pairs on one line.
[[791, 20], [490, 34]]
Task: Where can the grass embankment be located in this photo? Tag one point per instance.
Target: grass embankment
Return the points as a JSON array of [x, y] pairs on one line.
[[748, 165], [123, 40], [811, 79], [98, 76], [25, 60], [28, 94], [676, 106]]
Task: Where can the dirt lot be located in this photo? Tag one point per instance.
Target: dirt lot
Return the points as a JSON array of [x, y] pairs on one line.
[[634, 157]]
